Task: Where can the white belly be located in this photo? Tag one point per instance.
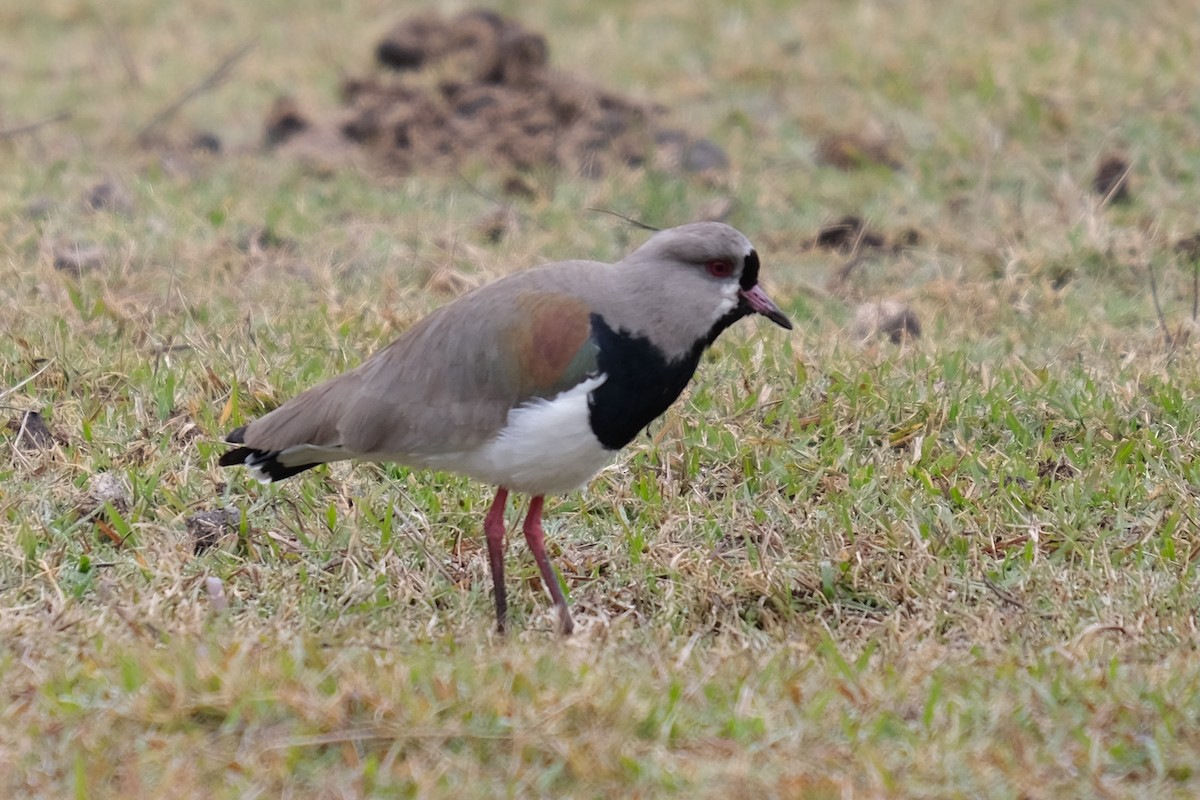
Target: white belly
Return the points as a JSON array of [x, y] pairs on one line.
[[547, 447]]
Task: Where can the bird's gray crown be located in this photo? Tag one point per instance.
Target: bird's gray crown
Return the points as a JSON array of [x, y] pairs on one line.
[[695, 243]]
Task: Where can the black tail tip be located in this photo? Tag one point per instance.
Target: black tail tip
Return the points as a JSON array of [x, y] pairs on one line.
[[263, 464], [238, 456]]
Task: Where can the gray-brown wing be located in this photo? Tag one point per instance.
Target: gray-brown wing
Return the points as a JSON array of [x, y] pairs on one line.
[[447, 384]]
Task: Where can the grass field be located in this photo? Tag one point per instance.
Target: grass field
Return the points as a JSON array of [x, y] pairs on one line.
[[959, 566]]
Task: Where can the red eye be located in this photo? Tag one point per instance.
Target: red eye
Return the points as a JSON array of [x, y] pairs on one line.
[[719, 268]]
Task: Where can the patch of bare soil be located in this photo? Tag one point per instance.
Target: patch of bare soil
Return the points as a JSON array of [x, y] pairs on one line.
[[853, 150], [32, 432], [1189, 247], [850, 234], [892, 319], [1111, 180], [479, 87]]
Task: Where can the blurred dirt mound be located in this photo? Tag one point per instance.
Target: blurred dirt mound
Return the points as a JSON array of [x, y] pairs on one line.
[[478, 87]]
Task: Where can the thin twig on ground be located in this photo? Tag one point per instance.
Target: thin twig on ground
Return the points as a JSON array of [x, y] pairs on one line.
[[210, 82], [1162, 320], [30, 127], [45, 366], [1195, 288]]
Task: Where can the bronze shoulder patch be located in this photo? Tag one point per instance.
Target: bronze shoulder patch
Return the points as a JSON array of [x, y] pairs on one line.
[[554, 329]]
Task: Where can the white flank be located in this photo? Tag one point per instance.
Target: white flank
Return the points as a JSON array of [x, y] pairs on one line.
[[547, 447]]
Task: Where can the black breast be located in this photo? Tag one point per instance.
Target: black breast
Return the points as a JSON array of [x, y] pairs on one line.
[[641, 383]]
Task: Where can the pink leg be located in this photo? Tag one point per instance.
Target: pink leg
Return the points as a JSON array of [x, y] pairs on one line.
[[537, 544], [493, 528]]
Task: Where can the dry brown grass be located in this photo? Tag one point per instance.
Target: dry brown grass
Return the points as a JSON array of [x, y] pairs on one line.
[[960, 566]]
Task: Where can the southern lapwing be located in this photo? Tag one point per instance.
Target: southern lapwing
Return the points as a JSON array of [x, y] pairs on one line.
[[531, 383]]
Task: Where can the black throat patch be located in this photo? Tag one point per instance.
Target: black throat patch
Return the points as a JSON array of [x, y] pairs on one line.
[[641, 383]]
